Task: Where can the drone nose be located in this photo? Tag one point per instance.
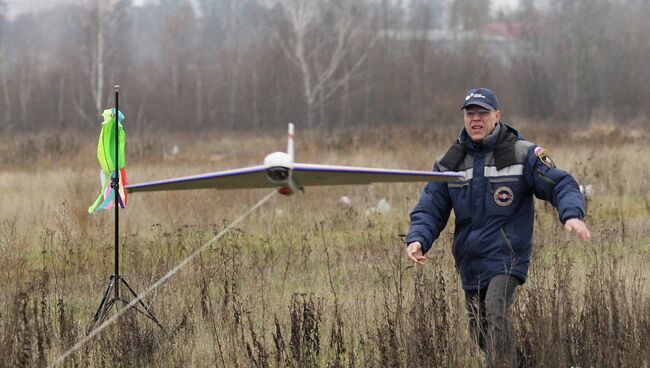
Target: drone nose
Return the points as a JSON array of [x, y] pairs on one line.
[[277, 174]]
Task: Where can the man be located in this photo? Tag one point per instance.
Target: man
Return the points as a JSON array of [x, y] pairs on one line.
[[494, 212]]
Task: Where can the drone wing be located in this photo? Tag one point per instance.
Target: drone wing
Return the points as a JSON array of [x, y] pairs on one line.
[[303, 174], [244, 178], [313, 174]]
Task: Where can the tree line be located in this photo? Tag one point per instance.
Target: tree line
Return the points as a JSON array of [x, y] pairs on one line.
[[258, 64]]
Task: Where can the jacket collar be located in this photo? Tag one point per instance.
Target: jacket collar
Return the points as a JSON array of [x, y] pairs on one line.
[[501, 141]]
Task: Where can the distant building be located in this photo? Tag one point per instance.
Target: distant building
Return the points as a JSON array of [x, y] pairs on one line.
[[499, 38], [505, 39]]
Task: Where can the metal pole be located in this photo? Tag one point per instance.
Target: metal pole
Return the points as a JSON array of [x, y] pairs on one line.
[[116, 185], [107, 303]]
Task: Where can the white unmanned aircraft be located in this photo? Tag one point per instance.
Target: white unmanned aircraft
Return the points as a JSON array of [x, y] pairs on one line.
[[289, 177]]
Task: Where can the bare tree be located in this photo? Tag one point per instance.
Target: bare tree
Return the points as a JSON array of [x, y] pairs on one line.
[[99, 23], [23, 76], [316, 42], [26, 67], [233, 55], [177, 51], [3, 65], [469, 15], [97, 9]]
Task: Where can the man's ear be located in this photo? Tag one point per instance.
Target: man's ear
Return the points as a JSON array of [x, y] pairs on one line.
[[498, 115]]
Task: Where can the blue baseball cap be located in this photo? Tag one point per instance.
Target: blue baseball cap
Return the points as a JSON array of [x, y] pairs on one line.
[[482, 97]]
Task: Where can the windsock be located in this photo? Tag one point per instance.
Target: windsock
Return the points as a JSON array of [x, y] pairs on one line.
[[106, 157]]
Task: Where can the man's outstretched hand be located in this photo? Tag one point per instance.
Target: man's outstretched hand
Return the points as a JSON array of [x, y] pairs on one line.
[[579, 227], [414, 253]]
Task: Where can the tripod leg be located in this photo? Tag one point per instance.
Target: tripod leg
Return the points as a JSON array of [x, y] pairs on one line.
[[148, 313], [105, 305]]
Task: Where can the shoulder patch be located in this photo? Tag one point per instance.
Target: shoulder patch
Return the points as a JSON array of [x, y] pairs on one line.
[[544, 157]]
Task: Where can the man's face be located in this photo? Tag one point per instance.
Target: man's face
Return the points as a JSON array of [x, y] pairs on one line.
[[480, 122]]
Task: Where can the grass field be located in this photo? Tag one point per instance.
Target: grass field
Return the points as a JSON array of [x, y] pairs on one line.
[[305, 281]]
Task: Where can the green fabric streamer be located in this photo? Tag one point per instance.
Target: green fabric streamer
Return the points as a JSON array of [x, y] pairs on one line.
[[106, 158], [106, 145], [100, 197]]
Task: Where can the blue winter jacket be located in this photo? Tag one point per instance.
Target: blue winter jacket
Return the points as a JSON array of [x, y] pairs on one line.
[[493, 206]]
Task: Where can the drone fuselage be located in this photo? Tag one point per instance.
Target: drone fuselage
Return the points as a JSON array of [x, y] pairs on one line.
[[279, 168]]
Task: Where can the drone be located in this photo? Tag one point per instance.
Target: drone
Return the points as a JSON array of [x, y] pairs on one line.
[[280, 171]]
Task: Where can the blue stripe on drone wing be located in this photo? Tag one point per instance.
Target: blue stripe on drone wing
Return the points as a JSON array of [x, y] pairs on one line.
[[247, 177], [311, 174]]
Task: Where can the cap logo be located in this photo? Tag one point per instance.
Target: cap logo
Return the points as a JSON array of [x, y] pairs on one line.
[[474, 95], [503, 196]]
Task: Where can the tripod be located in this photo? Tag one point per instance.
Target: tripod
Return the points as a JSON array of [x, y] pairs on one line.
[[112, 294], [108, 301]]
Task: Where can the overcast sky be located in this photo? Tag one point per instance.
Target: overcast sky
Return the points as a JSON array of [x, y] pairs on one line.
[[19, 6]]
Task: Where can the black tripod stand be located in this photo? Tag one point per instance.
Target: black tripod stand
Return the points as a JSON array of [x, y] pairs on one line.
[[112, 294]]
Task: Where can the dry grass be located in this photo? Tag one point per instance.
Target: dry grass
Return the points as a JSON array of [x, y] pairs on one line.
[[305, 282]]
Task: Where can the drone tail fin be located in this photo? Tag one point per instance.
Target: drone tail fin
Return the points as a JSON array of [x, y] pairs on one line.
[[290, 142]]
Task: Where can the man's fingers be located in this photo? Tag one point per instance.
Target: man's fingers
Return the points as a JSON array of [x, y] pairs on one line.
[[579, 227], [414, 253], [419, 258], [415, 257], [568, 227], [411, 256], [584, 234]]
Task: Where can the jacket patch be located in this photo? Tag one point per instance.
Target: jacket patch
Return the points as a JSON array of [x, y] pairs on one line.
[[544, 157], [503, 196]]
